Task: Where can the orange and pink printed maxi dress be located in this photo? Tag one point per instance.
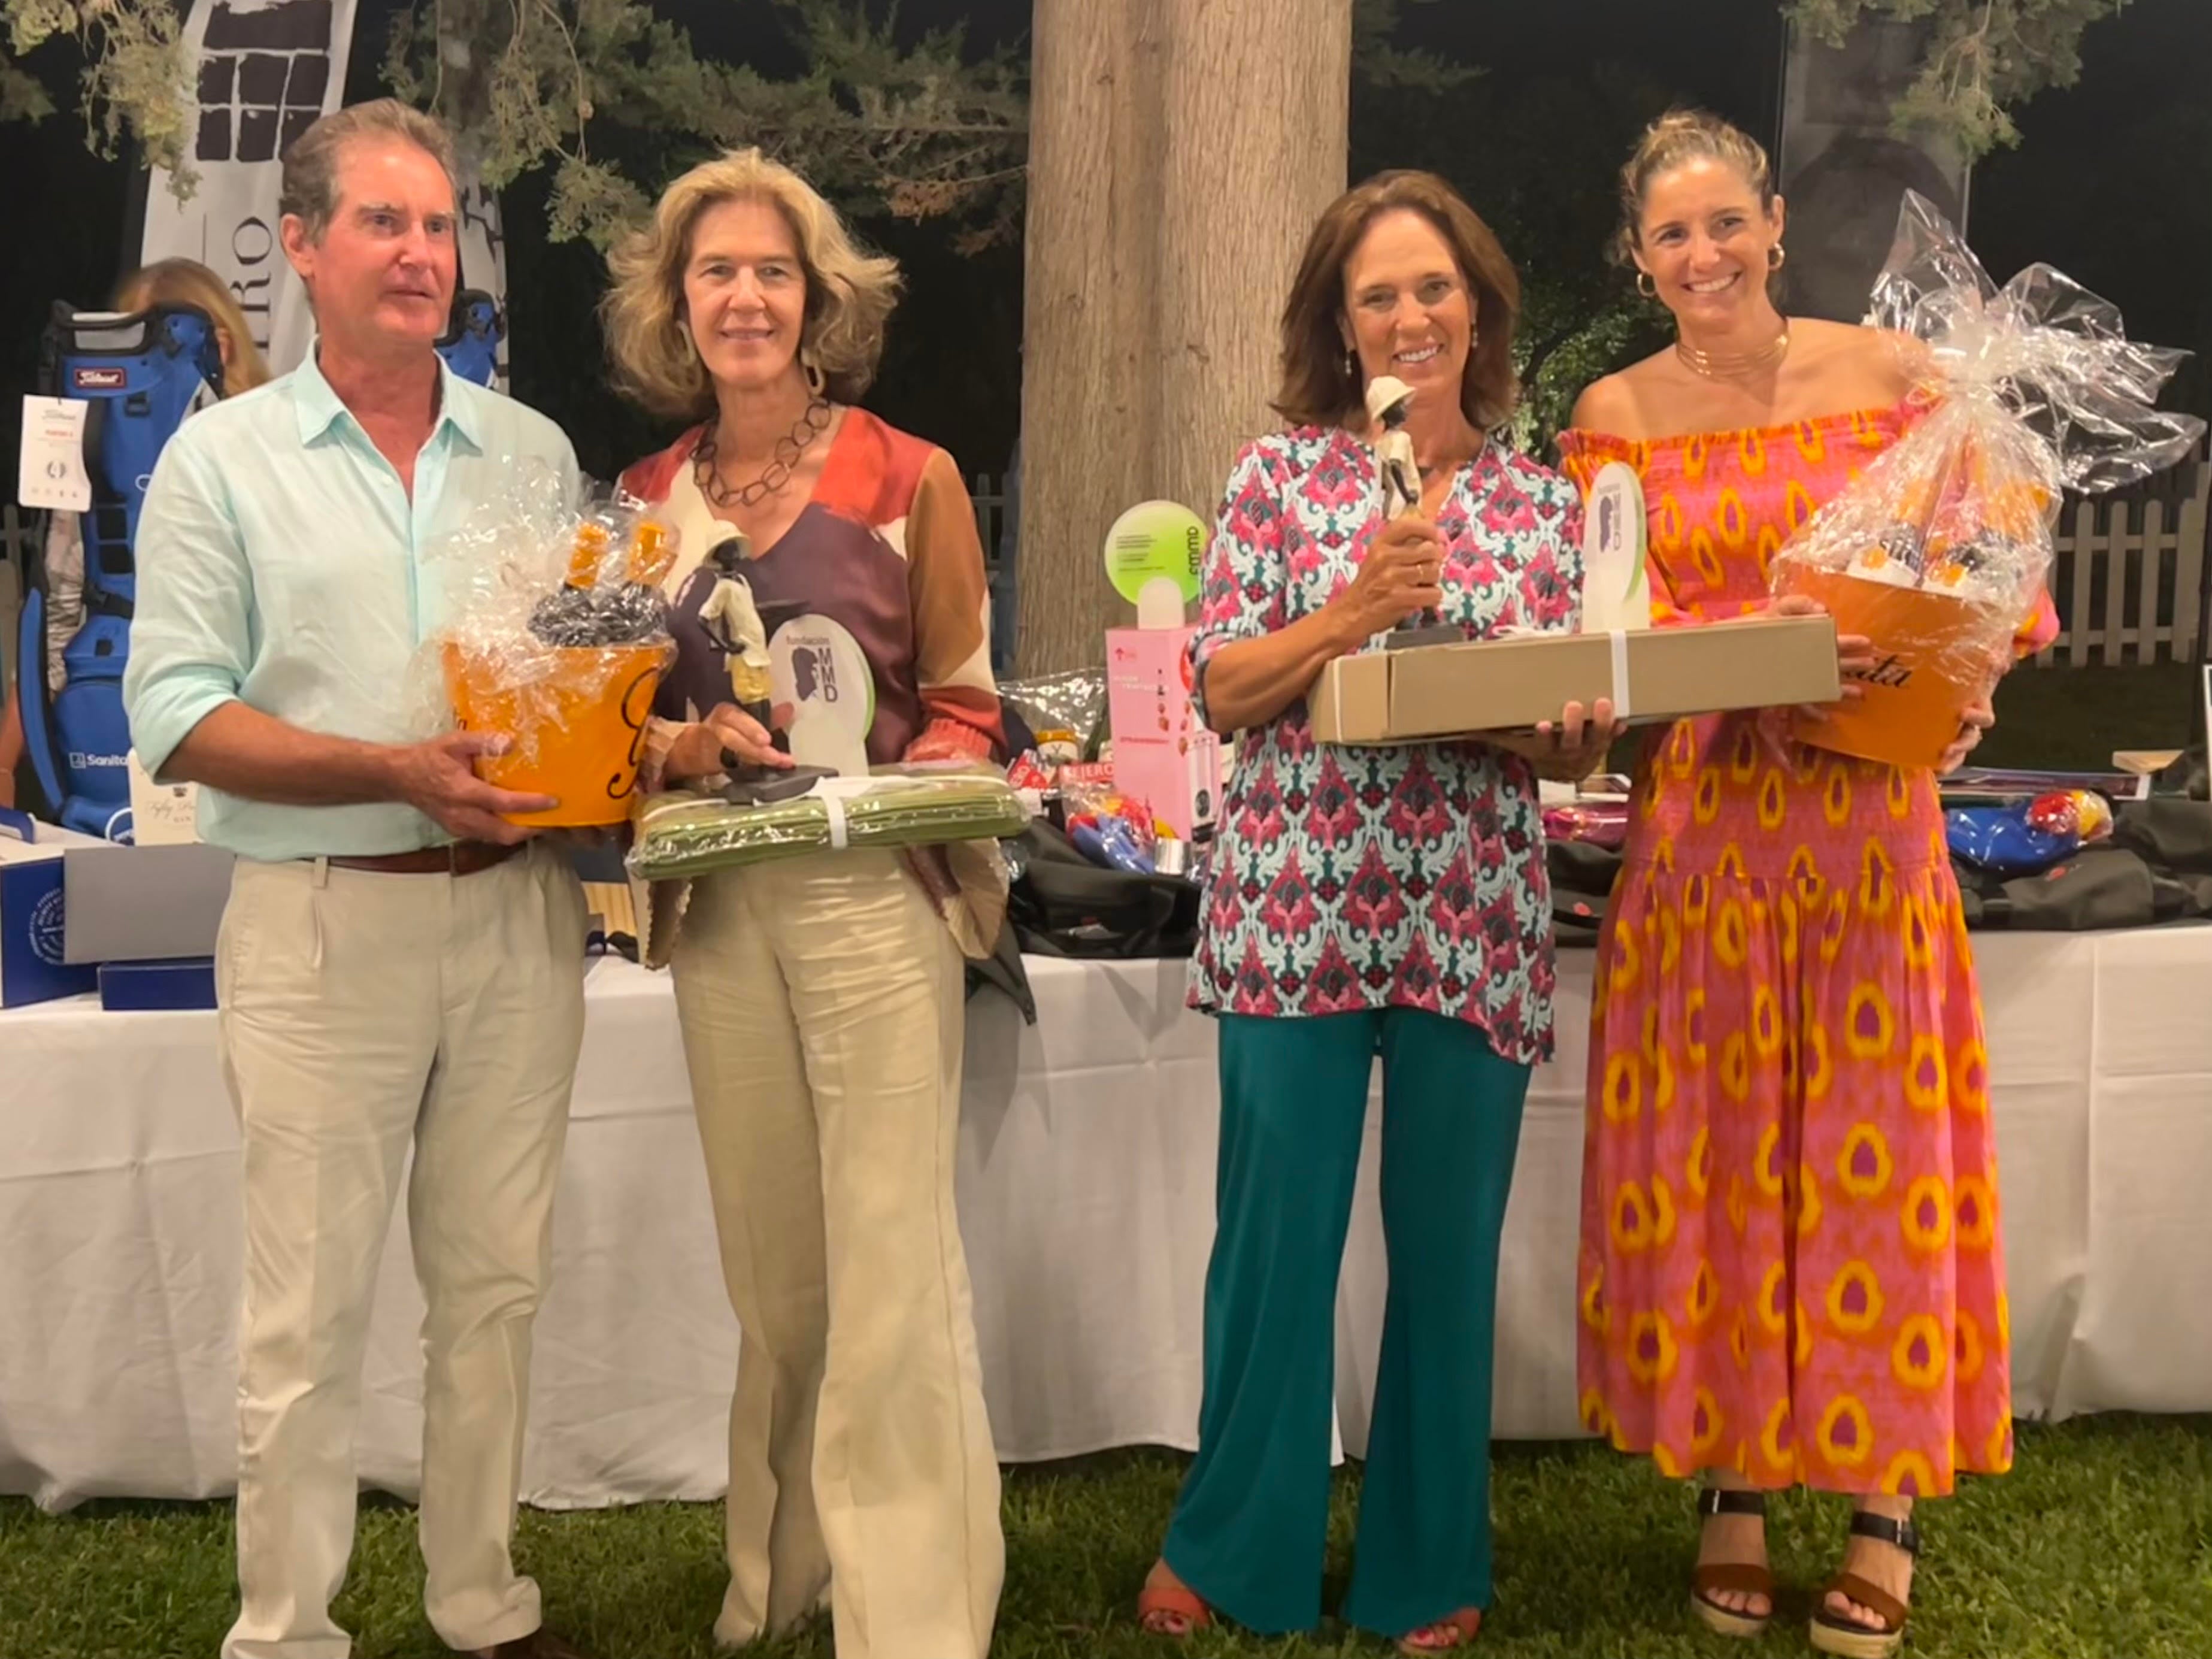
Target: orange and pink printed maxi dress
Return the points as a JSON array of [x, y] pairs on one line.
[[1790, 1264]]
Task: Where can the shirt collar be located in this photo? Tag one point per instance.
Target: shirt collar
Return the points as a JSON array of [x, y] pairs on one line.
[[320, 406]]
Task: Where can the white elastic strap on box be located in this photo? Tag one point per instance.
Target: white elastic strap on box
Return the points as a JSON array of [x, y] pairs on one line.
[[1623, 703], [835, 791]]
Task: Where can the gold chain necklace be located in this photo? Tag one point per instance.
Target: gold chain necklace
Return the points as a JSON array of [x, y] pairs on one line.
[[1716, 367]]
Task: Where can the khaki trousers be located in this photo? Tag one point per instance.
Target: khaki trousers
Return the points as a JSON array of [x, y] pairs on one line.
[[823, 1021], [360, 1012]]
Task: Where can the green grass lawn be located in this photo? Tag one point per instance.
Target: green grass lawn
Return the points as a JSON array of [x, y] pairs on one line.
[[2100, 1545]]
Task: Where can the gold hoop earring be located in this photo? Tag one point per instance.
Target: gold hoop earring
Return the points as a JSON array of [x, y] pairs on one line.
[[1645, 286], [815, 379], [1775, 256]]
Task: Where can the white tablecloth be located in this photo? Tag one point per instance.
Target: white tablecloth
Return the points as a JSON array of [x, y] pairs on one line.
[[1086, 1198]]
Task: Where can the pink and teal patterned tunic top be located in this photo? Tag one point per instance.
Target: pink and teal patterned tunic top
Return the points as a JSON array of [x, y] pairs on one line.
[[1351, 878]]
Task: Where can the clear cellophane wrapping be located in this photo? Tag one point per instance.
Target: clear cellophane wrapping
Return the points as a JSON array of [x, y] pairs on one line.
[[555, 637], [2029, 391], [683, 833]]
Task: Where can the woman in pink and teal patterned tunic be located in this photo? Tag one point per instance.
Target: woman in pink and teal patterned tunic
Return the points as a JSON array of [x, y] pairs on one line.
[[1369, 902]]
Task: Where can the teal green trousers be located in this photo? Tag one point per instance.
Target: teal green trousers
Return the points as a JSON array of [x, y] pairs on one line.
[[1250, 1526]]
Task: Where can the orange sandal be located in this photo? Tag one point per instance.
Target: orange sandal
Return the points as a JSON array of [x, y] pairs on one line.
[[1175, 1600], [1463, 1627]]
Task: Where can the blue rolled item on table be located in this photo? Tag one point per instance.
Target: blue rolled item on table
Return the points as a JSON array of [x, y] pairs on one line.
[[2002, 840]]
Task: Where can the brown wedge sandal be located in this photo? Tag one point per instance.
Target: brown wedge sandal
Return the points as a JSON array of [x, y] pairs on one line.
[[1846, 1639], [1731, 1577]]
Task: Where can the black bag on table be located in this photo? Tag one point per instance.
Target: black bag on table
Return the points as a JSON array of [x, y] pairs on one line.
[[1064, 905], [1583, 876]]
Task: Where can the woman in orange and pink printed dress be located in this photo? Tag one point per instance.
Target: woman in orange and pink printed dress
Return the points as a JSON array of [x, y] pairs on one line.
[[1790, 1270]]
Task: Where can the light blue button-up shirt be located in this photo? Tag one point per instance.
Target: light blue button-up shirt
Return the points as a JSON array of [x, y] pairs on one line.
[[281, 562]]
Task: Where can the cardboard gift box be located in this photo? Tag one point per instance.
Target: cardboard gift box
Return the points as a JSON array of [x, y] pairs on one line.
[[32, 964], [1422, 693]]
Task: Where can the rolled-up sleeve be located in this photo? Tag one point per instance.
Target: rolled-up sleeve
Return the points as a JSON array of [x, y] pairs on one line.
[[191, 632], [1242, 590]]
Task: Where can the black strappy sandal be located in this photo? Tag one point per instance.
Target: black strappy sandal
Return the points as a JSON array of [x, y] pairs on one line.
[[1845, 1638], [1731, 1577]]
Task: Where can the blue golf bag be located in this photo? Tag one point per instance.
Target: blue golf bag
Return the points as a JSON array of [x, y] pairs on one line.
[[141, 374], [471, 347]]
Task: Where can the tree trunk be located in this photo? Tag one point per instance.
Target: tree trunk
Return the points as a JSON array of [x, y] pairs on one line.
[[1179, 154]]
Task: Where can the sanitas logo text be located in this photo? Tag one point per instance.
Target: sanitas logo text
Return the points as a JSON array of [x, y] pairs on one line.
[[78, 762]]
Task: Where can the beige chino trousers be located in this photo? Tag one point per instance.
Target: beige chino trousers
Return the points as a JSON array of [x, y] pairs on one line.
[[822, 1022], [360, 1012]]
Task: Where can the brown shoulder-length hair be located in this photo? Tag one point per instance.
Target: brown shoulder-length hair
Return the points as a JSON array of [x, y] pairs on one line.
[[1318, 388], [849, 291]]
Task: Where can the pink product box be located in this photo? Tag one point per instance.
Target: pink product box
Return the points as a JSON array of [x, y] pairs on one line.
[[1162, 754]]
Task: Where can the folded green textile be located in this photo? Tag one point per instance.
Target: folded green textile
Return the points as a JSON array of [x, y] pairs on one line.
[[682, 834]]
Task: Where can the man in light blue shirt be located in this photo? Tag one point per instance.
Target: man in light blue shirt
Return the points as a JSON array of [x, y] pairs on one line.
[[399, 962]]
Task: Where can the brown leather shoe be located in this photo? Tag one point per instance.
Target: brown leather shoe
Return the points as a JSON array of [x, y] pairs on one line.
[[540, 1643]]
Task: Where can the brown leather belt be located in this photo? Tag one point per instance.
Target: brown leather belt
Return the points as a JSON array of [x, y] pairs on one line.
[[461, 858]]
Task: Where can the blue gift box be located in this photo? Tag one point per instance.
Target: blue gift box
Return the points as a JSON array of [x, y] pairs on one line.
[[184, 982], [31, 966]]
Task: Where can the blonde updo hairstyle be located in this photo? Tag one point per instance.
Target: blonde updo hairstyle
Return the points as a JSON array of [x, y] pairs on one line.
[[849, 292], [1680, 137]]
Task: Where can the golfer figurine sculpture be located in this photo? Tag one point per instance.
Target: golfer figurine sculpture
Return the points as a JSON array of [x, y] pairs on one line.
[[733, 622], [1389, 400]]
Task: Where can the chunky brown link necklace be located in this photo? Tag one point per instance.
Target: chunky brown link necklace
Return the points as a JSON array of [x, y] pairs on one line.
[[790, 450]]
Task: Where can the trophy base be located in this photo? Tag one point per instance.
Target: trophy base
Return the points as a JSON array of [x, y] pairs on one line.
[[1405, 639], [760, 787]]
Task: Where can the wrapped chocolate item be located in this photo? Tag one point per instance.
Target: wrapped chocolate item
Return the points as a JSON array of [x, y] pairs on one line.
[[1940, 551], [558, 639]]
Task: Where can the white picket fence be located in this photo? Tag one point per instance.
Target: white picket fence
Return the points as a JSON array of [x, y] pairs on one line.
[[2129, 579]]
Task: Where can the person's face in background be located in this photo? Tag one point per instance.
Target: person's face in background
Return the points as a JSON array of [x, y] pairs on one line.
[[381, 274], [744, 294], [1408, 311], [1706, 243]]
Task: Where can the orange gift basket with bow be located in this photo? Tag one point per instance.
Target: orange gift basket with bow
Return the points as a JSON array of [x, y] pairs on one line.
[[1940, 551], [559, 645]]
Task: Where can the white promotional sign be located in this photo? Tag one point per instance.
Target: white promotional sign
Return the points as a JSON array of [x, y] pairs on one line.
[[264, 70]]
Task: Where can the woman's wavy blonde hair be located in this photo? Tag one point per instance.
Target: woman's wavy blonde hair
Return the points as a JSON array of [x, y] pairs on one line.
[[849, 291]]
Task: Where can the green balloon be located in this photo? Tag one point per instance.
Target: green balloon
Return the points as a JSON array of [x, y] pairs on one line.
[[1151, 540]]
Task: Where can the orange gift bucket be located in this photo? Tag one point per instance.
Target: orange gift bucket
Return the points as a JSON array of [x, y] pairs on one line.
[[1924, 675], [578, 730]]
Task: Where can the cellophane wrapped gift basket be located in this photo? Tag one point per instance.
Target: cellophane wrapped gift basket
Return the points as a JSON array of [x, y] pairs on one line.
[[556, 640], [1940, 552]]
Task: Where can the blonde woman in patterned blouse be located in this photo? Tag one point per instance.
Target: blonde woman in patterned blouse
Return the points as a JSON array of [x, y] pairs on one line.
[[821, 997], [1369, 902]]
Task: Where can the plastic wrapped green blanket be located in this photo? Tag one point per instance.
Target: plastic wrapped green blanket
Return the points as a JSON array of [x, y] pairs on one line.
[[681, 834]]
